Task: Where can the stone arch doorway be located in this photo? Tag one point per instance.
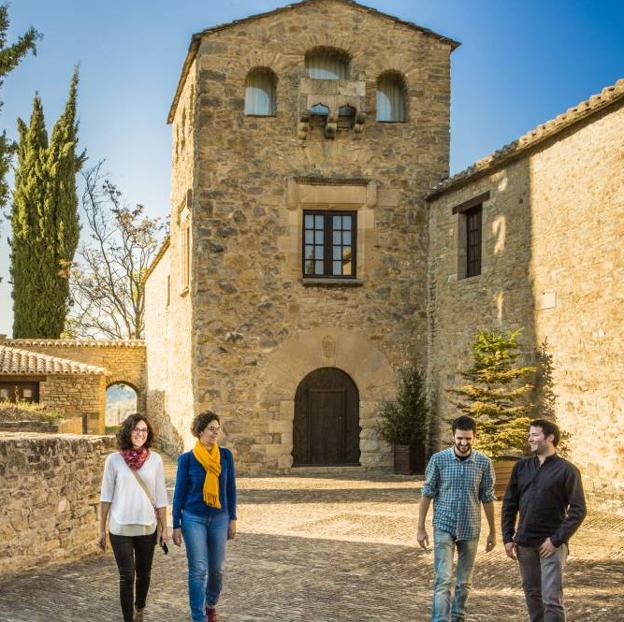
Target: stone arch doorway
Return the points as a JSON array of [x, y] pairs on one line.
[[326, 426], [121, 400]]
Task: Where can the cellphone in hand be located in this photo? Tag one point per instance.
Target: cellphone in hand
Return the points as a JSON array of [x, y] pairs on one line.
[[164, 547]]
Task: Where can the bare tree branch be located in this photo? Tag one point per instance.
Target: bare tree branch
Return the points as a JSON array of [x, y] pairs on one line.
[[108, 297]]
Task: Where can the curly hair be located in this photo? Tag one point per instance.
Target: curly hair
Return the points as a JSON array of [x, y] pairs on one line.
[[124, 434], [201, 421]]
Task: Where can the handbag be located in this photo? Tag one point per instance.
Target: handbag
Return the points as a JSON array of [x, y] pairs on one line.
[[153, 504]]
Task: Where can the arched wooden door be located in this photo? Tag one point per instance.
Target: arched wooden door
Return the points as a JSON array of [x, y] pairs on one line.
[[326, 428]]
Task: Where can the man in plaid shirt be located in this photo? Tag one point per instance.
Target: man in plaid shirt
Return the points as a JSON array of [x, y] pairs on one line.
[[459, 480]]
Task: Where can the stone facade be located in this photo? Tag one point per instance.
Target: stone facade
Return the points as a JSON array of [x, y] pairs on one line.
[[60, 477], [552, 265], [241, 183]]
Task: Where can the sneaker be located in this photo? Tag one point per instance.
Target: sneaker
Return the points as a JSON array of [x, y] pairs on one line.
[[211, 614]]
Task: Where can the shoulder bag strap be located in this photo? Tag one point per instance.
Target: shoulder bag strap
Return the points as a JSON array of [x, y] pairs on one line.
[[148, 494]]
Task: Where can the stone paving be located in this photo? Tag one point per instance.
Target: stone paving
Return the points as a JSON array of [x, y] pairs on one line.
[[330, 548]]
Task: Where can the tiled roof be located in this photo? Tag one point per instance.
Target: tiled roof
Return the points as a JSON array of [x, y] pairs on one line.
[[583, 110], [61, 343], [196, 38], [14, 361]]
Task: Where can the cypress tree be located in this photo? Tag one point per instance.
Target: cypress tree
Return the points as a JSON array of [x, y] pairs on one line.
[[30, 251], [61, 208], [44, 220]]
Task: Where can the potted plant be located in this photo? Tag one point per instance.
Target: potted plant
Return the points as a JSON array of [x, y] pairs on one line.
[[403, 422], [495, 395]]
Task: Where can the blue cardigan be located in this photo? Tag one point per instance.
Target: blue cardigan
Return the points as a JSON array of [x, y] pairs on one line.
[[189, 487]]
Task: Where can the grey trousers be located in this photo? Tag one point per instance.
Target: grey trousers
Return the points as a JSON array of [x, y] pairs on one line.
[[542, 581]]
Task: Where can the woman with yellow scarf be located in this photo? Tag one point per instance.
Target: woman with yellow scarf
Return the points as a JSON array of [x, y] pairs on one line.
[[204, 513]]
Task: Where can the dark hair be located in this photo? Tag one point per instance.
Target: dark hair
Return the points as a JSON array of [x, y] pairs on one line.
[[201, 421], [464, 423], [548, 428], [124, 434]]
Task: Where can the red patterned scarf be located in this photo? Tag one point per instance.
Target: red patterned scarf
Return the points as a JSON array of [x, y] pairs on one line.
[[135, 458]]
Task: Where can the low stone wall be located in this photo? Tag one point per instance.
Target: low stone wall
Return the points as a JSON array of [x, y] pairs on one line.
[[59, 426], [49, 494]]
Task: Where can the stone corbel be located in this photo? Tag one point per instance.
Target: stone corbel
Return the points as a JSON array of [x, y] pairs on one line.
[[360, 117], [303, 127], [331, 127]]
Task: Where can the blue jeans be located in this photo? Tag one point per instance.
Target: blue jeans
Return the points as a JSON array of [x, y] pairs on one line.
[[205, 539], [444, 545]]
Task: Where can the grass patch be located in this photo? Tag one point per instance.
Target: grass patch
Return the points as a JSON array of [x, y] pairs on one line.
[[26, 411]]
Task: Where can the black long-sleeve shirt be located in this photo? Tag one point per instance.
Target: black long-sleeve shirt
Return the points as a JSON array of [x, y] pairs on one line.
[[550, 500]]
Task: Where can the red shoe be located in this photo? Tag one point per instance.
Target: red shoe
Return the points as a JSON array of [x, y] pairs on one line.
[[211, 614]]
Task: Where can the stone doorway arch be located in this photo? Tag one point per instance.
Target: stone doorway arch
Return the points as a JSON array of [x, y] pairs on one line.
[[326, 426], [322, 347]]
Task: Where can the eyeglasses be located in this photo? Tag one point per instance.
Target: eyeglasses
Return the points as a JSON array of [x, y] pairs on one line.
[[213, 430], [140, 431]]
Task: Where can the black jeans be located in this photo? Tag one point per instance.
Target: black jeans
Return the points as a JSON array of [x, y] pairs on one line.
[[133, 555]]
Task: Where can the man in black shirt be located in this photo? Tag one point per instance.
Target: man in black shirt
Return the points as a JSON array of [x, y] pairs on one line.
[[547, 492]]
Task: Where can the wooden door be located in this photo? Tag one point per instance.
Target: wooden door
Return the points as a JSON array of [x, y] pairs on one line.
[[326, 429]]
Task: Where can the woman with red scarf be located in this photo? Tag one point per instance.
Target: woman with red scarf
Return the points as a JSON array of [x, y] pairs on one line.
[[134, 500]]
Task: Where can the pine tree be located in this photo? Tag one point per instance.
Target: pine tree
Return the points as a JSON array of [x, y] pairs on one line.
[[44, 220], [496, 392], [10, 57], [61, 207]]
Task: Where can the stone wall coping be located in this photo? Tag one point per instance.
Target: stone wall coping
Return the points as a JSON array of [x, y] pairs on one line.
[[94, 343], [11, 437], [197, 37], [609, 96], [16, 361]]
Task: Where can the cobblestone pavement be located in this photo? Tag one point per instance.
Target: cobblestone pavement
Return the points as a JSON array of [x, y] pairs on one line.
[[326, 548]]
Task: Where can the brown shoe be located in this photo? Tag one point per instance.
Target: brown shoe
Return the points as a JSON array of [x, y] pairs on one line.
[[211, 614], [138, 615]]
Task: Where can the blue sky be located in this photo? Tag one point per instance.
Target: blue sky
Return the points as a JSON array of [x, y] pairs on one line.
[[521, 63]]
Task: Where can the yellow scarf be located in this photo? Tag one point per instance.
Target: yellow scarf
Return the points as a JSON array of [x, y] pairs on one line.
[[211, 461]]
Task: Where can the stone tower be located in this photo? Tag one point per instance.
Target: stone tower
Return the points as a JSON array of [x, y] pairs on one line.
[[293, 285]]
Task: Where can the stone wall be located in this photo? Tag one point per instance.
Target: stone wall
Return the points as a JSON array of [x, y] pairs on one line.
[[58, 426], [250, 179], [77, 396], [553, 265], [49, 494]]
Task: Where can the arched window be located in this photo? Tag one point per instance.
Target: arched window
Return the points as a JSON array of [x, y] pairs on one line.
[[327, 64], [391, 98], [260, 92]]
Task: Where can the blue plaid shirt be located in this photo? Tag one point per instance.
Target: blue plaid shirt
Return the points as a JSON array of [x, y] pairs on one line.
[[458, 487]]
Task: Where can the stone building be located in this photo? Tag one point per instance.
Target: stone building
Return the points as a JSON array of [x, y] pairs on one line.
[[294, 282], [548, 214], [317, 244], [72, 374]]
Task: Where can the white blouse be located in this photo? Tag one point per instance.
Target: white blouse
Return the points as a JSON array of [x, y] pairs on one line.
[[130, 506]]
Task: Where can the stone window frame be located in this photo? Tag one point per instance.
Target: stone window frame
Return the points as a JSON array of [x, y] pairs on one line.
[[274, 80], [328, 244], [338, 54], [339, 195], [184, 228], [402, 81], [465, 210]]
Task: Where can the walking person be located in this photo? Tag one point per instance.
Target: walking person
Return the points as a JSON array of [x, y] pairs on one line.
[[458, 480], [547, 492], [134, 500], [204, 513]]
